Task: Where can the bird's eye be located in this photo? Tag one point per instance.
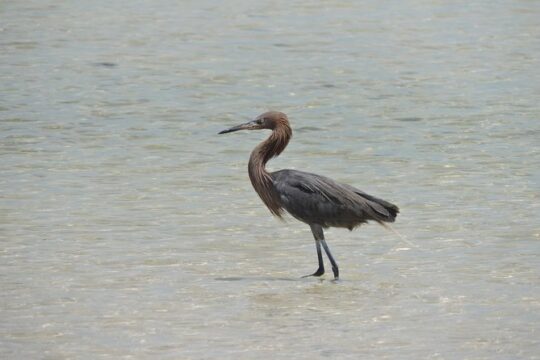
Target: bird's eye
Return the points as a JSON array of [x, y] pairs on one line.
[[260, 121]]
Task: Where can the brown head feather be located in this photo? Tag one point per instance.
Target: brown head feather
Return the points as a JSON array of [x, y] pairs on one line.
[[271, 147]]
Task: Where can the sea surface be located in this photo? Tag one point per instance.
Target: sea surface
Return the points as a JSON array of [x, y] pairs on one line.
[[129, 228]]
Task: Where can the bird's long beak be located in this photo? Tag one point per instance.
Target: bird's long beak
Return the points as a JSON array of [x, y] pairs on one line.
[[250, 125]]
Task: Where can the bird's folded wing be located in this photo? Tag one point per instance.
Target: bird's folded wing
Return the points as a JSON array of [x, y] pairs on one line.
[[318, 198]]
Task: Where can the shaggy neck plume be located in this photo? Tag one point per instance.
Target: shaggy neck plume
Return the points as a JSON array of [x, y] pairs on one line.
[[260, 178]]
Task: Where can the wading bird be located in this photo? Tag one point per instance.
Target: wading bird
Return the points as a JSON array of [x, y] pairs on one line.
[[316, 200]]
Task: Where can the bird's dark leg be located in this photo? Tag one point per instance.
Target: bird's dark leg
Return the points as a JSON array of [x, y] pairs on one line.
[[320, 270], [335, 268], [318, 235]]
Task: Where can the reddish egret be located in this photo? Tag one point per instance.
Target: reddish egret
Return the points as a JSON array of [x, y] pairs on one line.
[[316, 200]]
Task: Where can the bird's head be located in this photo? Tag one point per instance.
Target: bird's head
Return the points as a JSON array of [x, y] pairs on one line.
[[268, 120]]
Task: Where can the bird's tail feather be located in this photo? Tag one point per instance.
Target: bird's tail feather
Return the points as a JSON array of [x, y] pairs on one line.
[[386, 211]]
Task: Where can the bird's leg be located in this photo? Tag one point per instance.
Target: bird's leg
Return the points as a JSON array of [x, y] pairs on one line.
[[320, 270], [318, 235], [335, 268]]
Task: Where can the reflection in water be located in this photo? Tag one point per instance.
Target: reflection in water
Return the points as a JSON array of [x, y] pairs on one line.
[[257, 278]]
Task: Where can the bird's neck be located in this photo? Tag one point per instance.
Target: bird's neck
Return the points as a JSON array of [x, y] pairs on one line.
[[260, 178]]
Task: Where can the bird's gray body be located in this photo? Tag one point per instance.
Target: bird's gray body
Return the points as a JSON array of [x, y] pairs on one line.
[[316, 199]]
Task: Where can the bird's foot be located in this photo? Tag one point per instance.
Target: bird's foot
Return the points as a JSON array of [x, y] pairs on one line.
[[319, 272], [335, 270]]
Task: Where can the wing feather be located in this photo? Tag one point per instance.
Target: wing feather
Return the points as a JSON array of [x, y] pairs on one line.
[[317, 199]]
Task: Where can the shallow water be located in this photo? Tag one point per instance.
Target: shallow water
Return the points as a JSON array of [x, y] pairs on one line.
[[129, 228]]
